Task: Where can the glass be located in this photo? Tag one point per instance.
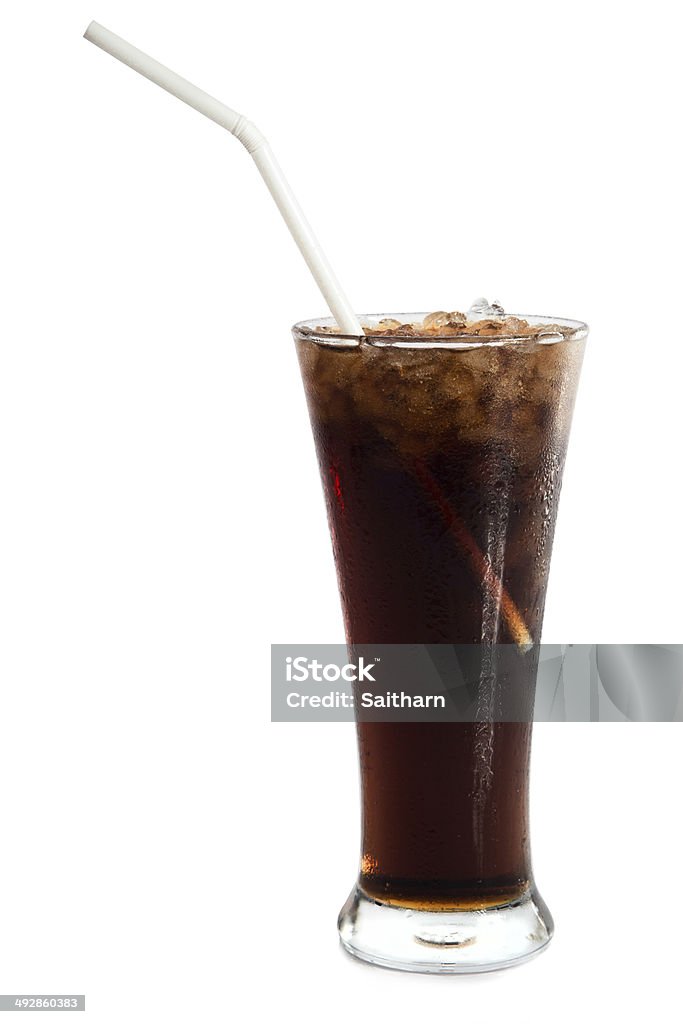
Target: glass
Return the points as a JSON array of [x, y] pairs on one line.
[[441, 460]]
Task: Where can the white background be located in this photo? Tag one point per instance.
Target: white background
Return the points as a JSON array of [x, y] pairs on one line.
[[163, 847]]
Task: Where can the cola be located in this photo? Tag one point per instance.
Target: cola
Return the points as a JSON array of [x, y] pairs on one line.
[[441, 443]]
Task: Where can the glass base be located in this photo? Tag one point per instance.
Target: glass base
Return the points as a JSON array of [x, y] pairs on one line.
[[444, 941]]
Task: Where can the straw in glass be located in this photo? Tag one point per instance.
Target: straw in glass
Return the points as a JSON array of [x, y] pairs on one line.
[[262, 155]]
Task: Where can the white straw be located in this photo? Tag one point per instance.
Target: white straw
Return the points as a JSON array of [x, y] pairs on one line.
[[255, 144]]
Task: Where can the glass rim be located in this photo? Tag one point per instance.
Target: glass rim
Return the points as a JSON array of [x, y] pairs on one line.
[[309, 330]]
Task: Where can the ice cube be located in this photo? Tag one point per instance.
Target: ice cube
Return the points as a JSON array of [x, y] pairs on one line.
[[483, 309], [515, 325], [438, 319], [489, 328], [441, 321]]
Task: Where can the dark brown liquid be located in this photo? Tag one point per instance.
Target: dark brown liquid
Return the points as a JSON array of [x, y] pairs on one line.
[[445, 805]]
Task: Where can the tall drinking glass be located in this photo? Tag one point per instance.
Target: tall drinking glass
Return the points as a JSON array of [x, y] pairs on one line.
[[441, 455]]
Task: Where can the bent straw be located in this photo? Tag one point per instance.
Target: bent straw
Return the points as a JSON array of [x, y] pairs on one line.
[[261, 153], [257, 146]]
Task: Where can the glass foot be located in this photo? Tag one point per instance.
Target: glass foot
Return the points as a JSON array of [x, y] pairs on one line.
[[444, 941]]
